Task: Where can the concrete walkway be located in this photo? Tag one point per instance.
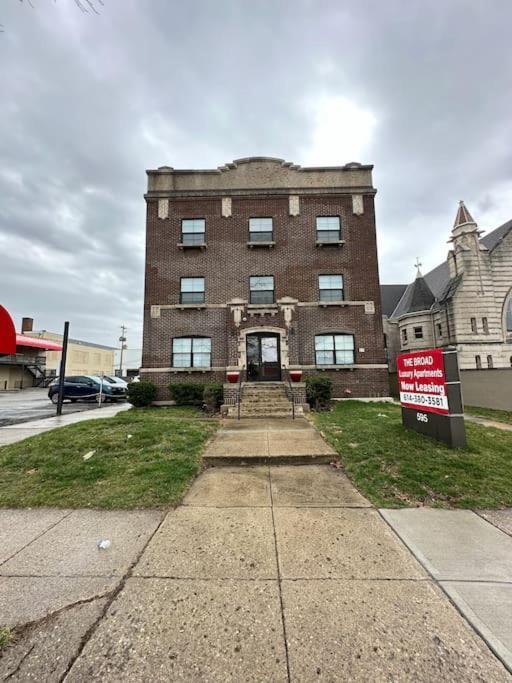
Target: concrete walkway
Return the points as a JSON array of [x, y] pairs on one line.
[[471, 559], [267, 440], [18, 432], [486, 422], [262, 574]]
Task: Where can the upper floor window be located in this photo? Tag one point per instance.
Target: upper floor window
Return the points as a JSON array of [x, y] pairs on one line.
[[260, 230], [439, 330], [334, 349], [473, 325], [490, 364], [191, 352], [478, 362], [331, 287], [192, 231], [485, 325], [328, 229], [192, 290], [418, 333], [262, 289], [404, 335]]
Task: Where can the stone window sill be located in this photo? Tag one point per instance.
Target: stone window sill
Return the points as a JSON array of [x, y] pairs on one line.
[[336, 243], [190, 370], [268, 245], [335, 367], [272, 306], [332, 303], [183, 246], [186, 307]]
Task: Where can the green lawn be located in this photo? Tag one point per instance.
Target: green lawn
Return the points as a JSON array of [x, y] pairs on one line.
[[143, 457], [490, 413], [395, 467]]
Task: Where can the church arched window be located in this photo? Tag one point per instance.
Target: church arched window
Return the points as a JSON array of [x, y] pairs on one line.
[[508, 314]]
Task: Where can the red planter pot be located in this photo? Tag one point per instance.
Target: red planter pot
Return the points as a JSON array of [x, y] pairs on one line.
[[233, 377], [295, 375]]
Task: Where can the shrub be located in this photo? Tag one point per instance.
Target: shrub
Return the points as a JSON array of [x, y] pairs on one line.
[[141, 393], [187, 394], [213, 396], [318, 392]]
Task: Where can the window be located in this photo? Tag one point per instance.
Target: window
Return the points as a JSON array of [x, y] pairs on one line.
[[485, 325], [192, 290], [328, 229], [473, 325], [331, 287], [191, 352], [478, 362], [490, 364], [334, 349], [404, 335], [262, 289], [418, 333], [192, 231], [508, 320], [439, 330], [260, 230]]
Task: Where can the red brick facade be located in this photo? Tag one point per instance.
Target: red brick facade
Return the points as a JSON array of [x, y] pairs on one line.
[[295, 261]]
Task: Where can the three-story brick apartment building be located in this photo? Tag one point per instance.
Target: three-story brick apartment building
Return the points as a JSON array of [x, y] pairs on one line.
[[265, 267]]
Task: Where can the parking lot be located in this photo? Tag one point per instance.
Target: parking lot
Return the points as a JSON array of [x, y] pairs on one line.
[[33, 404]]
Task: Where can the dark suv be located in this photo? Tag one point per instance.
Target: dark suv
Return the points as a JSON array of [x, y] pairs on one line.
[[86, 388]]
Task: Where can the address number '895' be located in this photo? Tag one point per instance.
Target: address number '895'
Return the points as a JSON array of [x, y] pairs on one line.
[[422, 417]]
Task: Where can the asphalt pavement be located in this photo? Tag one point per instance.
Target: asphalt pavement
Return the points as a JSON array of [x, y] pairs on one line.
[[33, 404]]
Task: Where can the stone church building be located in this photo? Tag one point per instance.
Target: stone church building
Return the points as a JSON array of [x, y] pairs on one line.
[[263, 267], [465, 302]]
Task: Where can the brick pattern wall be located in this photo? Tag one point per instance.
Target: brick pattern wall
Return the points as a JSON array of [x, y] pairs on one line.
[[295, 262]]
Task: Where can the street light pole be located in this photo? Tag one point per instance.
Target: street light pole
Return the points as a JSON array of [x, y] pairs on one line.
[[122, 339]]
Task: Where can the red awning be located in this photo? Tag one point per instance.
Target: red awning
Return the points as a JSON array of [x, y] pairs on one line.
[[7, 333], [37, 343]]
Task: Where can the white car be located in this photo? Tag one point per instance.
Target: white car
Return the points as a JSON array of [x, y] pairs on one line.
[[115, 380]]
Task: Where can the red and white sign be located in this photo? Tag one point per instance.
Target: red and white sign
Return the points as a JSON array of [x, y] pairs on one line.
[[422, 381]]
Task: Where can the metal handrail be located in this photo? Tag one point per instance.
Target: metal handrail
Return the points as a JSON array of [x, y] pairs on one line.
[[292, 398], [239, 393]]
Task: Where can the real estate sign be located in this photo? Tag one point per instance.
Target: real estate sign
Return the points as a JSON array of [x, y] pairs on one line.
[[430, 395], [422, 381]]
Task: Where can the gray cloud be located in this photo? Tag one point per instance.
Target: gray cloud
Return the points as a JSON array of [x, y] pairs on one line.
[[89, 102]]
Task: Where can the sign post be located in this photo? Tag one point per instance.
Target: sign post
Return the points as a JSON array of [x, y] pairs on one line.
[[430, 394], [62, 371]]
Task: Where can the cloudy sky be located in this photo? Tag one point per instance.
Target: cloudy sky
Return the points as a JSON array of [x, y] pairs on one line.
[[423, 90]]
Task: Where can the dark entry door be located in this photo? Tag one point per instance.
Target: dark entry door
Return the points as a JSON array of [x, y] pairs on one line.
[[263, 357]]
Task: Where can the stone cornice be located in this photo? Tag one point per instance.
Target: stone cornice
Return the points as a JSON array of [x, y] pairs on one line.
[[267, 192]]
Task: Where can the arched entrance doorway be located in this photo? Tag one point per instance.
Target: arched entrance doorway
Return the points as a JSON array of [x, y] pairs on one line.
[[263, 353]]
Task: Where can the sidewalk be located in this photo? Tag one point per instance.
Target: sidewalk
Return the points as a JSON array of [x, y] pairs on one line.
[[486, 422], [262, 574], [18, 432], [471, 560]]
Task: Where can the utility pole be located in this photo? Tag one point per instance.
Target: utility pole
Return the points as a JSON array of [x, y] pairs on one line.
[[62, 371], [122, 339]]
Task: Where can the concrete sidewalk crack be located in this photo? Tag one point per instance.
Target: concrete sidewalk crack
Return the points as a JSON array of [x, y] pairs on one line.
[[283, 618], [91, 630], [36, 538]]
